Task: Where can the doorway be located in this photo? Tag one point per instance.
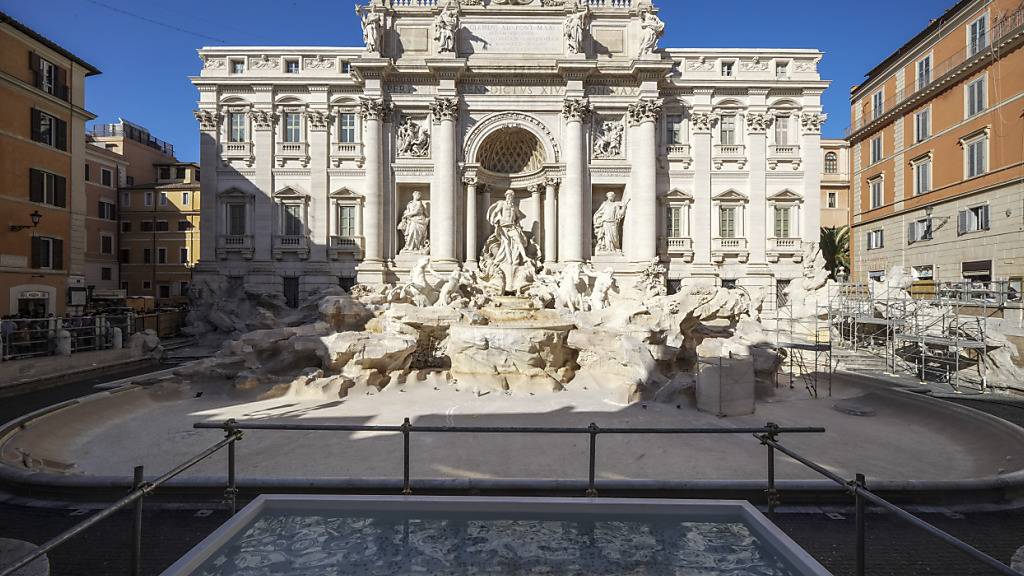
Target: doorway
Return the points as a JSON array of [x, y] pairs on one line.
[[291, 292]]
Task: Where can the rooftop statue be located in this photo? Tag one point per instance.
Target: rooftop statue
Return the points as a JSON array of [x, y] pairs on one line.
[[653, 29], [446, 25], [574, 28], [372, 23]]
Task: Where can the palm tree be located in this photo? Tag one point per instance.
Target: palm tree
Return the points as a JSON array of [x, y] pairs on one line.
[[835, 247]]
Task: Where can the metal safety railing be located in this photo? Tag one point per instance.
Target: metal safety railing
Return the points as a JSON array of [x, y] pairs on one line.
[[135, 498]]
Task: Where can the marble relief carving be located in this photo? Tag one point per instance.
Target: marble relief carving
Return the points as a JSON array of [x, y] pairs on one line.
[[755, 65], [264, 63], [608, 139], [413, 139], [318, 63]]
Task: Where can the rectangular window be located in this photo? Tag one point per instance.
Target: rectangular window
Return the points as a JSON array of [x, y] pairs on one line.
[[876, 192], [236, 219], [919, 230], [146, 226], [347, 128], [674, 129], [976, 97], [183, 288], [184, 225], [782, 222], [976, 161], [106, 244], [163, 199], [161, 226], [922, 125], [922, 176], [49, 130], [126, 199], [126, 256], [876, 239], [291, 66], [237, 66], [782, 130], [347, 221], [86, 171], [106, 177], [924, 72], [105, 210], [292, 225], [876, 105], [973, 219], [147, 199], [106, 273], [165, 291], [727, 68], [147, 256], [185, 200], [833, 200], [47, 253], [179, 173], [161, 255], [781, 70], [293, 127], [675, 222], [727, 222], [346, 67], [237, 125], [47, 76], [165, 173], [977, 35], [876, 149], [47, 188], [728, 130], [129, 180], [183, 255], [126, 226]]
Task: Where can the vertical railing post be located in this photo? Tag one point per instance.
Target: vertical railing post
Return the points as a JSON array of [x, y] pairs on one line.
[[136, 567], [591, 486], [771, 494], [406, 485], [231, 492], [859, 485]]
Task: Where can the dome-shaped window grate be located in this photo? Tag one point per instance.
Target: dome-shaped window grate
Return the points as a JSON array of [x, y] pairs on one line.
[[511, 151]]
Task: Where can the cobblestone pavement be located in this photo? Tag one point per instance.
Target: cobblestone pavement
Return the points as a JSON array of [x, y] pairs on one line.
[[894, 548]]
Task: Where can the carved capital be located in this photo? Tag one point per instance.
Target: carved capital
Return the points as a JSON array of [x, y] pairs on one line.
[[533, 189], [811, 123], [208, 119], [703, 122], [263, 119], [471, 181], [374, 108], [552, 182], [319, 120], [576, 109], [443, 109], [644, 110], [758, 123]]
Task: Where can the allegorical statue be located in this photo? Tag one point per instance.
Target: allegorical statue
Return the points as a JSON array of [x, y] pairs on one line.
[[372, 23], [446, 25], [413, 139], [509, 260], [608, 225], [415, 226], [652, 29], [574, 28]]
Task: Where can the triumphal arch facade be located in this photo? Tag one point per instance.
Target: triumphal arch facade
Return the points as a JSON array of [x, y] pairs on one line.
[[323, 165]]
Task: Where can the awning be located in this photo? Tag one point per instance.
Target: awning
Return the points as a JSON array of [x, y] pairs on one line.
[[977, 268]]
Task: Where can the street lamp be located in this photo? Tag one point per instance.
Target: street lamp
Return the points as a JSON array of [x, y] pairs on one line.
[[35, 216]]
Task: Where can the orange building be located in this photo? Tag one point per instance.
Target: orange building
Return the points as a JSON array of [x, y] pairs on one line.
[[937, 151], [105, 172], [42, 173]]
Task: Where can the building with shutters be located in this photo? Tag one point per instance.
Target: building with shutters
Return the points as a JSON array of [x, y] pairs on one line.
[[937, 152], [835, 183], [619, 152], [42, 173], [105, 172]]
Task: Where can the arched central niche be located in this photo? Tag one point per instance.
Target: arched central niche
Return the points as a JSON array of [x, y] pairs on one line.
[[511, 150]]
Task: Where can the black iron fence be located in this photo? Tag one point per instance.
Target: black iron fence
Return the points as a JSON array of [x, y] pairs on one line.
[[32, 337], [768, 435]]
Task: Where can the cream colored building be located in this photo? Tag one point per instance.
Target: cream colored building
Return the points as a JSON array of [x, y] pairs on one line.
[[835, 183], [311, 155]]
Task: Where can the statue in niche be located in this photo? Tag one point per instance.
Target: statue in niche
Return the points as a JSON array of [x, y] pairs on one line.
[[446, 25], [372, 23], [608, 143], [574, 27], [652, 30], [608, 225], [413, 139], [509, 260], [415, 226]]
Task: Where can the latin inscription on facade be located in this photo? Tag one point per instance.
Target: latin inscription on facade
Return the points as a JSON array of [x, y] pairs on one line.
[[511, 38]]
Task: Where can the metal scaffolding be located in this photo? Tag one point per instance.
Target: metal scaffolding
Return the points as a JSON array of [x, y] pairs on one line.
[[806, 346]]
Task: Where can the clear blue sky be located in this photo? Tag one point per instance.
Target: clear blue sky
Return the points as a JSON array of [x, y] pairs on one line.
[[147, 56]]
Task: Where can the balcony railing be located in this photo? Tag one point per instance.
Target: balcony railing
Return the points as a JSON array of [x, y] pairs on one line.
[[729, 153], [234, 243], [678, 150], [122, 130], [341, 151], [291, 244], [237, 150], [722, 248], [292, 151], [784, 150], [1000, 29], [339, 245], [679, 247]]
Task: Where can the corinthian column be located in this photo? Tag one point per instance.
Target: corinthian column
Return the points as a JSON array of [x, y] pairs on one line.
[[370, 270], [442, 195], [471, 223], [550, 221], [570, 217], [642, 214]]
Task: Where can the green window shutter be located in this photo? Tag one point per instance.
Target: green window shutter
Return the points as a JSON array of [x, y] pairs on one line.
[[58, 254], [35, 185], [61, 141], [37, 250], [60, 191]]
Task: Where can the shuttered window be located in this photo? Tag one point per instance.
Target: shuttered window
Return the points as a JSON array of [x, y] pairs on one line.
[[973, 219], [49, 130], [47, 253], [47, 188], [48, 77]]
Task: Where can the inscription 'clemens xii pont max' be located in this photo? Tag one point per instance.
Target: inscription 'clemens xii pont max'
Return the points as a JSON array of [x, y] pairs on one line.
[[511, 38]]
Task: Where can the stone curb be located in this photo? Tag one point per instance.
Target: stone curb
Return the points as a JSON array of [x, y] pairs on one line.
[[989, 490]]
